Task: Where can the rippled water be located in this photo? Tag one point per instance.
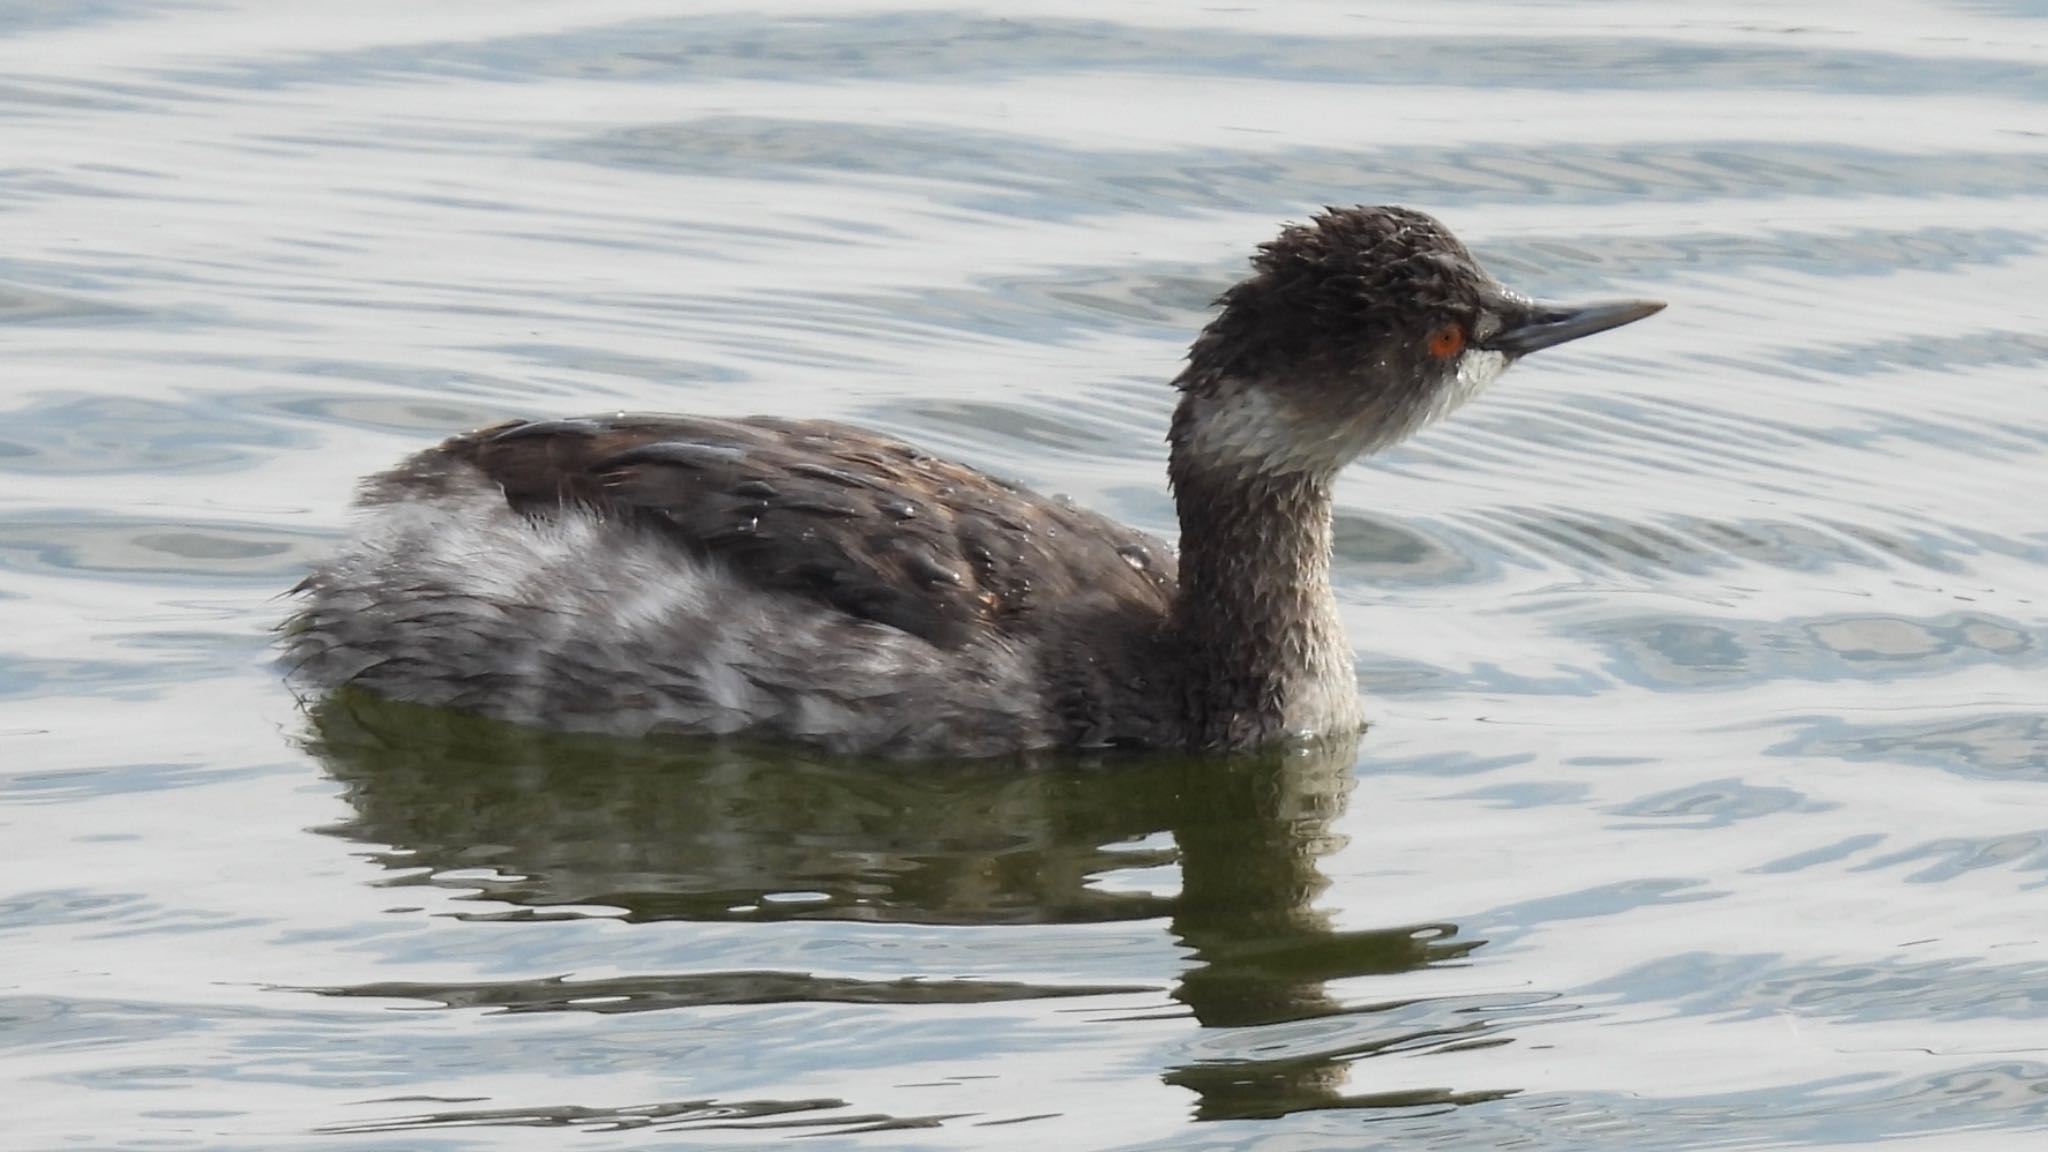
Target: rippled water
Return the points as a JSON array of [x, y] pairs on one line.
[[1707, 800]]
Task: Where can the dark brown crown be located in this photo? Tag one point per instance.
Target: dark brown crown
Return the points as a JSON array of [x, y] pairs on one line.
[[1351, 285]]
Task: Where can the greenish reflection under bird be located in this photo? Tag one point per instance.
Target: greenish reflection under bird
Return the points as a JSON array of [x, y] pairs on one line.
[[575, 826]]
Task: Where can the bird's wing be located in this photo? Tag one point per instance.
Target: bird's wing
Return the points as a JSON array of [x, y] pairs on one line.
[[863, 523]]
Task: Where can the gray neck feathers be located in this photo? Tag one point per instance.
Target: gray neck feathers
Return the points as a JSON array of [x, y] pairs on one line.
[[1255, 616]]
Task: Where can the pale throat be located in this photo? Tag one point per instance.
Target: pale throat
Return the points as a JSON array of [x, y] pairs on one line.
[[1260, 428], [1254, 431]]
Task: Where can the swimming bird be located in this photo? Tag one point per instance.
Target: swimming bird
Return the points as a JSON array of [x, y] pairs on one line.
[[809, 581]]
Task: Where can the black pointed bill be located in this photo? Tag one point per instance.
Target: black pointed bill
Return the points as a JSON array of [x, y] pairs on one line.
[[1539, 326]]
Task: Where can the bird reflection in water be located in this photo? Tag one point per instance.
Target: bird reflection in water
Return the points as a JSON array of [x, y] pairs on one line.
[[706, 832]]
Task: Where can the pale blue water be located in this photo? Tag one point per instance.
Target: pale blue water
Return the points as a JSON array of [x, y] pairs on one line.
[[1707, 801]]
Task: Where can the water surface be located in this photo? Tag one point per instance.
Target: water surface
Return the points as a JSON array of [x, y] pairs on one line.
[[1706, 803]]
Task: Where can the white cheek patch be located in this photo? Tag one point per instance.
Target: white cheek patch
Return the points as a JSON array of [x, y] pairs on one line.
[[1248, 429], [1254, 429], [1477, 369]]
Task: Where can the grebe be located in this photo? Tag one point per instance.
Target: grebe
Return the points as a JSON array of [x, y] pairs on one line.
[[809, 581]]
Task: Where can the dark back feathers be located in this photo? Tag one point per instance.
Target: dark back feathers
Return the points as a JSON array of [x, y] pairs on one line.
[[863, 523]]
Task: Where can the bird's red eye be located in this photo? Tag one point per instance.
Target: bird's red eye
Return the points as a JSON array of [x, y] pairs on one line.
[[1447, 342]]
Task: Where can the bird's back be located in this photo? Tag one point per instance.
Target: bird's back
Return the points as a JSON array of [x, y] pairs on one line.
[[790, 578]]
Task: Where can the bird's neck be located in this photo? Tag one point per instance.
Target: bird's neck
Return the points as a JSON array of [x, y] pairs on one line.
[[1266, 654]]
